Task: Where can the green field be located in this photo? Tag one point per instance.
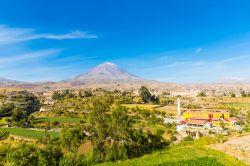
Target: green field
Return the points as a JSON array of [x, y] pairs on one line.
[[58, 119], [189, 155], [28, 133], [237, 105]]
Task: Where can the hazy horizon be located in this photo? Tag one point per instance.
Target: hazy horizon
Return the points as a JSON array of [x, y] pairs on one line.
[[177, 42]]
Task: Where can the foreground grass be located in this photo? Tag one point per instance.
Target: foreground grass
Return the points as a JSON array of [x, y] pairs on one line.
[[28, 133], [182, 155]]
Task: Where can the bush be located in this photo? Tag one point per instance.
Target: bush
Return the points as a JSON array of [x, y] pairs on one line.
[[201, 94], [159, 132], [188, 138], [71, 138], [55, 123], [72, 159], [24, 155]]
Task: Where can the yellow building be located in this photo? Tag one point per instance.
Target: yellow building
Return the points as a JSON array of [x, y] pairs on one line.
[[210, 114], [214, 117]]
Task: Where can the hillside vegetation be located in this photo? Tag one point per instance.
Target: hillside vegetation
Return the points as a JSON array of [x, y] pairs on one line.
[[177, 155]]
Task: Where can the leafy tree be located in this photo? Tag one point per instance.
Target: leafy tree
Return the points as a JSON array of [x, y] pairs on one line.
[[248, 94], [243, 93], [154, 99], [57, 96], [6, 109], [100, 121], [121, 123], [201, 94], [62, 95], [145, 94], [25, 104], [51, 155], [232, 94], [71, 138], [87, 93], [18, 114]]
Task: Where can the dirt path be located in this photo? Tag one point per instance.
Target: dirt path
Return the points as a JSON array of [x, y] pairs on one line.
[[238, 146]]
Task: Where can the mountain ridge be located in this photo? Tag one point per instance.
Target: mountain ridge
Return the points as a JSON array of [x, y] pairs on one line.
[[105, 73], [8, 81]]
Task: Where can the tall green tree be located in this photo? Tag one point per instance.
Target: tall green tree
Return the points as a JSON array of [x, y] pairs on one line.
[[25, 104], [120, 123], [100, 125], [145, 94]]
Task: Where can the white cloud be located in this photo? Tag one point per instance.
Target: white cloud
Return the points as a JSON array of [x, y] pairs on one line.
[[28, 56], [71, 35], [10, 35]]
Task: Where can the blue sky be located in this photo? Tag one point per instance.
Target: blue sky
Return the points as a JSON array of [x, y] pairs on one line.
[[174, 41]]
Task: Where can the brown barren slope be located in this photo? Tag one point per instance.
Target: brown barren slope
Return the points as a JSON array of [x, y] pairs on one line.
[[237, 146]]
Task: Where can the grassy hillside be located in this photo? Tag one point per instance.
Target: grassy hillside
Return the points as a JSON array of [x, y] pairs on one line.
[[182, 155]]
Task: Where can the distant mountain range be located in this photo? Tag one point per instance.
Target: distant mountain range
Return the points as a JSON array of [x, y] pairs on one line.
[[8, 81], [109, 75]]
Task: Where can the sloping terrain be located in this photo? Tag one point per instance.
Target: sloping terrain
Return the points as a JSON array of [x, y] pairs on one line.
[[238, 146], [181, 155]]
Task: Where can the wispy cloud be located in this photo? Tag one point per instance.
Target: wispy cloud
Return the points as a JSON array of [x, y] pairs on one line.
[[165, 57], [71, 35], [198, 50], [9, 35], [185, 63], [29, 56], [234, 58]]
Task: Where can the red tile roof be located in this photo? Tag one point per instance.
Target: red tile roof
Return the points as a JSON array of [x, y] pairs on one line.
[[198, 122], [199, 117], [232, 120]]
